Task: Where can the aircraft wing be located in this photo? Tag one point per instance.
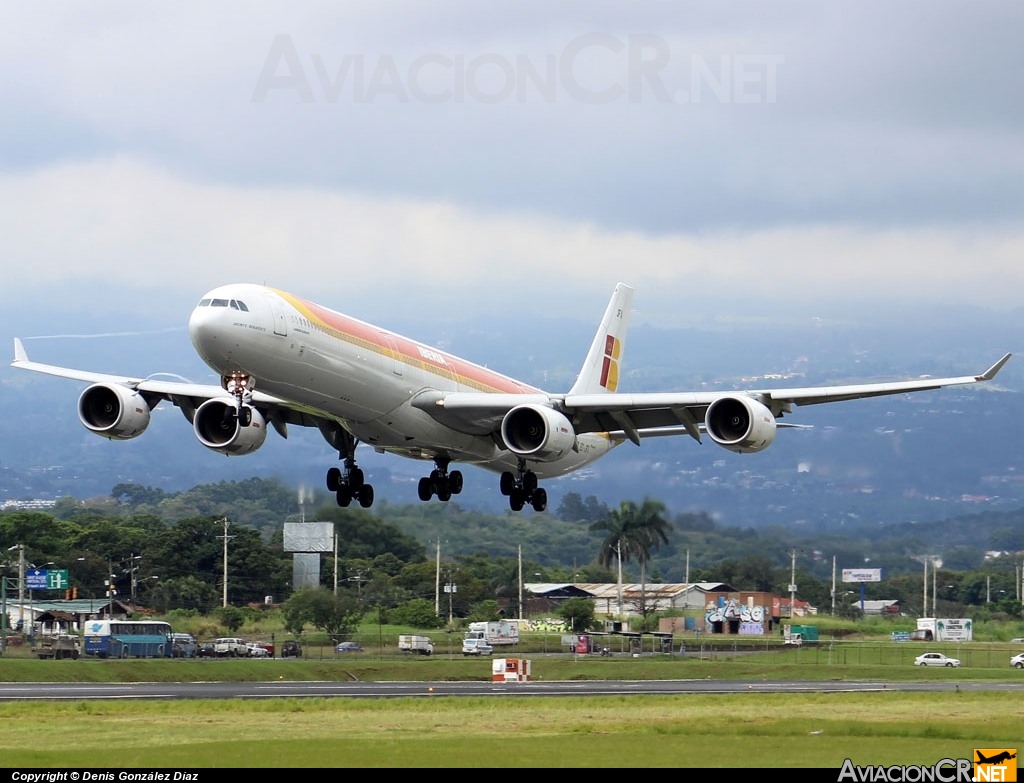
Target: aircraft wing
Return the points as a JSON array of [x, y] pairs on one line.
[[659, 413], [183, 394]]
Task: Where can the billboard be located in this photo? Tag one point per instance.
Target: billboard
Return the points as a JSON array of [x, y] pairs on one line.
[[308, 536], [862, 574]]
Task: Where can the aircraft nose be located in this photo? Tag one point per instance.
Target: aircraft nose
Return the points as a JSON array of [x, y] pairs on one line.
[[200, 325]]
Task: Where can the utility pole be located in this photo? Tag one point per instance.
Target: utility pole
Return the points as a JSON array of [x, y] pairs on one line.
[[833, 585], [618, 554], [437, 580], [224, 598], [792, 584], [520, 581], [21, 578]]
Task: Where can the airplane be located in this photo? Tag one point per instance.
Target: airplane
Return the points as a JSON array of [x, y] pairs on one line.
[[284, 360], [1003, 756]]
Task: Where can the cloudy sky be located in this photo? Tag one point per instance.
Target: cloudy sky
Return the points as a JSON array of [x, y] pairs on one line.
[[382, 156]]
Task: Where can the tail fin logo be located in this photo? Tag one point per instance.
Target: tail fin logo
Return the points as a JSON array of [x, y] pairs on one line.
[[610, 365]]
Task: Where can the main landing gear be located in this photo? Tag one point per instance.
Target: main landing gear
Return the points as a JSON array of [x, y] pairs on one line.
[[521, 488], [440, 482], [349, 484]]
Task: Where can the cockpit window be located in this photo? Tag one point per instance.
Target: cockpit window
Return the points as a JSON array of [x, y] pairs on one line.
[[204, 302], [219, 303], [239, 305]]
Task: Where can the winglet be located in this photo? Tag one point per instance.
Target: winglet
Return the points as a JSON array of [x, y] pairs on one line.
[[19, 351], [990, 373], [600, 371]]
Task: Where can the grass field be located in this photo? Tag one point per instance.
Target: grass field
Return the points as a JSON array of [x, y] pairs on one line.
[[746, 730]]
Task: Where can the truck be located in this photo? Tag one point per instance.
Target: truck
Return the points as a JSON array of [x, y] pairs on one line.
[[57, 647], [421, 645], [931, 629], [497, 633], [800, 634]]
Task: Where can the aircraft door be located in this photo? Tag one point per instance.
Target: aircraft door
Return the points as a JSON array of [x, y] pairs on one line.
[[280, 324], [392, 357]]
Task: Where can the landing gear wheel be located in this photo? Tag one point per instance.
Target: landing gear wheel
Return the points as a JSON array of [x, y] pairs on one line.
[[539, 499], [333, 479], [365, 494], [529, 482], [355, 478], [444, 493], [425, 489], [507, 483], [455, 481], [343, 496], [516, 500]]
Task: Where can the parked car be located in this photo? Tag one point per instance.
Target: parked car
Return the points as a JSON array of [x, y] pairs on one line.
[[476, 647], [291, 649], [935, 659], [206, 650], [348, 647], [266, 646], [256, 650], [1017, 661], [184, 645], [230, 646]]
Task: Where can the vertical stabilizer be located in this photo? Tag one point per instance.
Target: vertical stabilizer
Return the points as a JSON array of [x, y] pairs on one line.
[[600, 371]]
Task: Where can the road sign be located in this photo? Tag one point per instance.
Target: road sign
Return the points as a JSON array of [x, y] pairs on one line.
[[43, 579]]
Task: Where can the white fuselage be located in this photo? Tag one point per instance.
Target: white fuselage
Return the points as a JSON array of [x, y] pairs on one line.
[[358, 374]]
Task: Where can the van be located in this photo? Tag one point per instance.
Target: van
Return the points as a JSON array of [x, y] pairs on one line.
[[184, 645], [476, 647]]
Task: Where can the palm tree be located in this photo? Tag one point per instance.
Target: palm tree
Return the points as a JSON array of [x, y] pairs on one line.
[[632, 532]]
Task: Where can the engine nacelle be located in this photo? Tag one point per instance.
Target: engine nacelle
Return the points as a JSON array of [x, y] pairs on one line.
[[740, 424], [113, 411], [538, 432], [218, 427]]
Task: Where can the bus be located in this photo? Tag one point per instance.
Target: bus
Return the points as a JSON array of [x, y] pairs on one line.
[[128, 638]]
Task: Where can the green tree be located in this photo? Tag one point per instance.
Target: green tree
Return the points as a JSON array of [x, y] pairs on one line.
[[231, 617], [632, 533], [416, 613], [578, 614], [337, 615]]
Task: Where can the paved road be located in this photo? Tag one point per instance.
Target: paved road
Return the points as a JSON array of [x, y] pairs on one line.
[[268, 690]]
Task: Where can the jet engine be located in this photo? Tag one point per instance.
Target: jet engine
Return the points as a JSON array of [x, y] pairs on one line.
[[113, 411], [538, 432], [218, 427], [740, 424]]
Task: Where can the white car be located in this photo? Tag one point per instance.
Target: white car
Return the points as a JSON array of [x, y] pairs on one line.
[[254, 650], [1017, 661], [935, 659]]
